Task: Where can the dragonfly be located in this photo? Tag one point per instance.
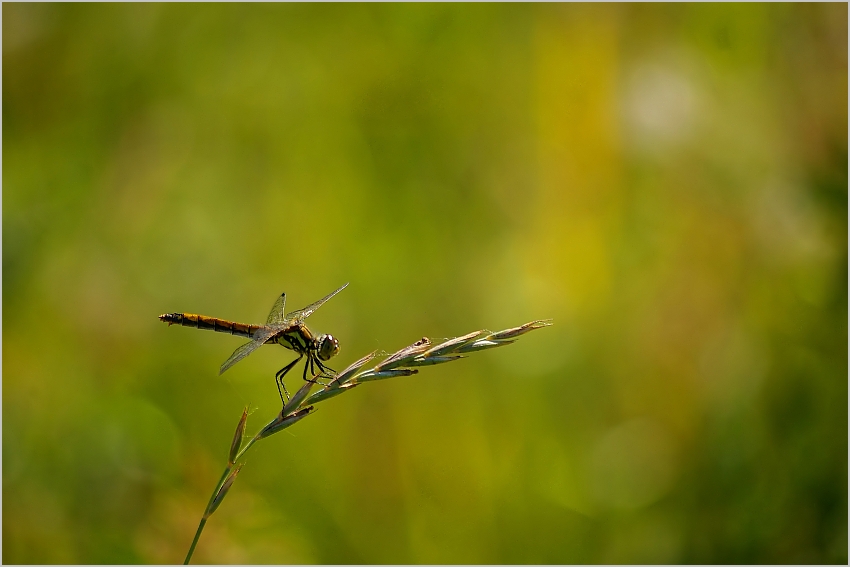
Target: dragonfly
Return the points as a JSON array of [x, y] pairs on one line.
[[285, 329]]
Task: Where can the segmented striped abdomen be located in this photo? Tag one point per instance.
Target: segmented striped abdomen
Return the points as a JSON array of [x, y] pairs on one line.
[[210, 323]]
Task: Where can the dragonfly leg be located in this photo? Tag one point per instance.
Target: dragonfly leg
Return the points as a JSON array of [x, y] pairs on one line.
[[278, 376], [325, 369], [310, 362], [323, 373]]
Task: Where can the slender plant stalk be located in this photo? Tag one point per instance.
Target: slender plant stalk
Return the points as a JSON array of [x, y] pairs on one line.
[[401, 363], [195, 541], [218, 492]]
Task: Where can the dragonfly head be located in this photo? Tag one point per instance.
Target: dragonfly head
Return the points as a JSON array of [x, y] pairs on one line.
[[328, 347]]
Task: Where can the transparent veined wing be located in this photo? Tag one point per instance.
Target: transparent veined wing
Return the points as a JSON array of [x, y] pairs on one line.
[[276, 315], [301, 314], [260, 337]]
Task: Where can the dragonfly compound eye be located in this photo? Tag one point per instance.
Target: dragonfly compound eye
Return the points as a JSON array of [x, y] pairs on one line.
[[328, 347]]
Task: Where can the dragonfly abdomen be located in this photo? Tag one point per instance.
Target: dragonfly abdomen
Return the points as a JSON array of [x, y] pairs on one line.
[[209, 323]]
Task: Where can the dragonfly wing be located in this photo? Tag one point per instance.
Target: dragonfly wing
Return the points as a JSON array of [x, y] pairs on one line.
[[276, 315], [301, 314], [260, 337]]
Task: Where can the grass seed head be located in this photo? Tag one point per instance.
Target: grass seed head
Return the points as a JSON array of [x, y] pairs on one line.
[[237, 437], [283, 421], [521, 330], [296, 400], [483, 344], [222, 492], [452, 344], [405, 355], [329, 392], [431, 360], [376, 374], [345, 375]]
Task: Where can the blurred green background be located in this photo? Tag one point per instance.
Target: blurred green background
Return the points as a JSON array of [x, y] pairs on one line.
[[668, 182]]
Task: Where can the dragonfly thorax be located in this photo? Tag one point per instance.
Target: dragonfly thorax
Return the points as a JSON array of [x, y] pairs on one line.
[[297, 338], [301, 340]]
